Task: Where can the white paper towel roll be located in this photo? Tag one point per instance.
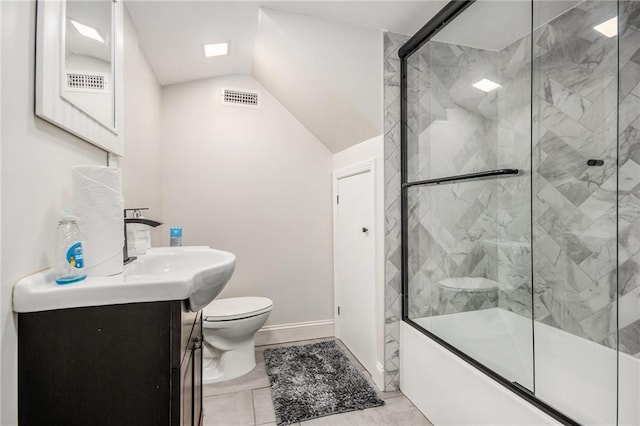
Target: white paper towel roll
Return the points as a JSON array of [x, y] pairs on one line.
[[98, 207]]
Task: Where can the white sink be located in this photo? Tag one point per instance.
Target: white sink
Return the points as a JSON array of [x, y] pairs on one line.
[[193, 274]]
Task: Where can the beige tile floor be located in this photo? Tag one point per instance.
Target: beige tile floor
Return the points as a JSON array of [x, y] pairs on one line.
[[246, 401]]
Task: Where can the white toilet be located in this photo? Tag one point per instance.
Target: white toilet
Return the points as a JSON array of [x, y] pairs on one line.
[[229, 327]]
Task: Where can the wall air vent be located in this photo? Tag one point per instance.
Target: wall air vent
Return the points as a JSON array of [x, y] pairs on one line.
[[240, 97], [87, 82]]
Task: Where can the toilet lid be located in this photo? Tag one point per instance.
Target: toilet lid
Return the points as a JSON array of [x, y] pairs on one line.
[[236, 308]]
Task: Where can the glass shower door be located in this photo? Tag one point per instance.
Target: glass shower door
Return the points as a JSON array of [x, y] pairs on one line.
[[468, 100], [629, 214], [533, 277], [575, 113]]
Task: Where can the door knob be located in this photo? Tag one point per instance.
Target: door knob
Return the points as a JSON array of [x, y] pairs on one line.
[[365, 229]]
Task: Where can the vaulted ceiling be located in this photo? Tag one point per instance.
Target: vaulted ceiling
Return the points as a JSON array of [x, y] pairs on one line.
[[172, 33], [321, 59]]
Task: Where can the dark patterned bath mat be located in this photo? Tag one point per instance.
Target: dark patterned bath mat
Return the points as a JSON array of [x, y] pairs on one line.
[[314, 381]]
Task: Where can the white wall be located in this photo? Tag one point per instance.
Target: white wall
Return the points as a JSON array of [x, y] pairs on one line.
[[363, 151], [1, 291], [254, 182], [372, 149], [141, 165], [329, 75], [36, 181]]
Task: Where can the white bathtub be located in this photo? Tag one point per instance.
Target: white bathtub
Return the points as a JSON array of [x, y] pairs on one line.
[[574, 375]]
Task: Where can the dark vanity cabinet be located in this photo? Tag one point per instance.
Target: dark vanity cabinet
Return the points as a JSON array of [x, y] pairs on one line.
[[131, 364]]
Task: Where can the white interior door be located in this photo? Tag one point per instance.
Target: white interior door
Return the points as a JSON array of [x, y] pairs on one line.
[[355, 266]]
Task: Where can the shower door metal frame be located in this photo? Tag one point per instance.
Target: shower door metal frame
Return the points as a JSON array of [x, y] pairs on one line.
[[430, 29]]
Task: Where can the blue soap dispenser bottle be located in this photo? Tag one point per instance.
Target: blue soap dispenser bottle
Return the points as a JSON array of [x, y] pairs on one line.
[[175, 237]]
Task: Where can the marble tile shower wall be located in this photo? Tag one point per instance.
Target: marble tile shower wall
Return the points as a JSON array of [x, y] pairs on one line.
[[476, 228], [393, 265], [450, 132], [629, 180], [514, 193], [576, 116]]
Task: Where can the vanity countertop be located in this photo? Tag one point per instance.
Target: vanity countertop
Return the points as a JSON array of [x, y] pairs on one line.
[[197, 274]]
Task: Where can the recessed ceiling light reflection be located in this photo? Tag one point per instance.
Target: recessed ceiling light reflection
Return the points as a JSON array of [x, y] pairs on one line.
[[87, 31], [486, 85], [608, 28]]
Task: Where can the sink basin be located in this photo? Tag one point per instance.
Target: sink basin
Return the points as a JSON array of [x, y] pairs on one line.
[[207, 270], [194, 274]]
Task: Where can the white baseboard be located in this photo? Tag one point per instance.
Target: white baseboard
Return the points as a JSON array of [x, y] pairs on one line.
[[378, 376], [283, 333]]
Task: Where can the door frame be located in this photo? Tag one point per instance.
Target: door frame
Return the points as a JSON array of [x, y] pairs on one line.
[[368, 166]]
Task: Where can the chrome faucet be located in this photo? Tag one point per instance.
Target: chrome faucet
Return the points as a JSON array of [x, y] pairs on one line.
[[152, 223]]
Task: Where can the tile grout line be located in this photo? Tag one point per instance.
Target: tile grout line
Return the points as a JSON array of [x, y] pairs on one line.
[[253, 407], [228, 393]]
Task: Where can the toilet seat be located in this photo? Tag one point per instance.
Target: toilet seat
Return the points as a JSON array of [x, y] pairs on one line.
[[236, 308]]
